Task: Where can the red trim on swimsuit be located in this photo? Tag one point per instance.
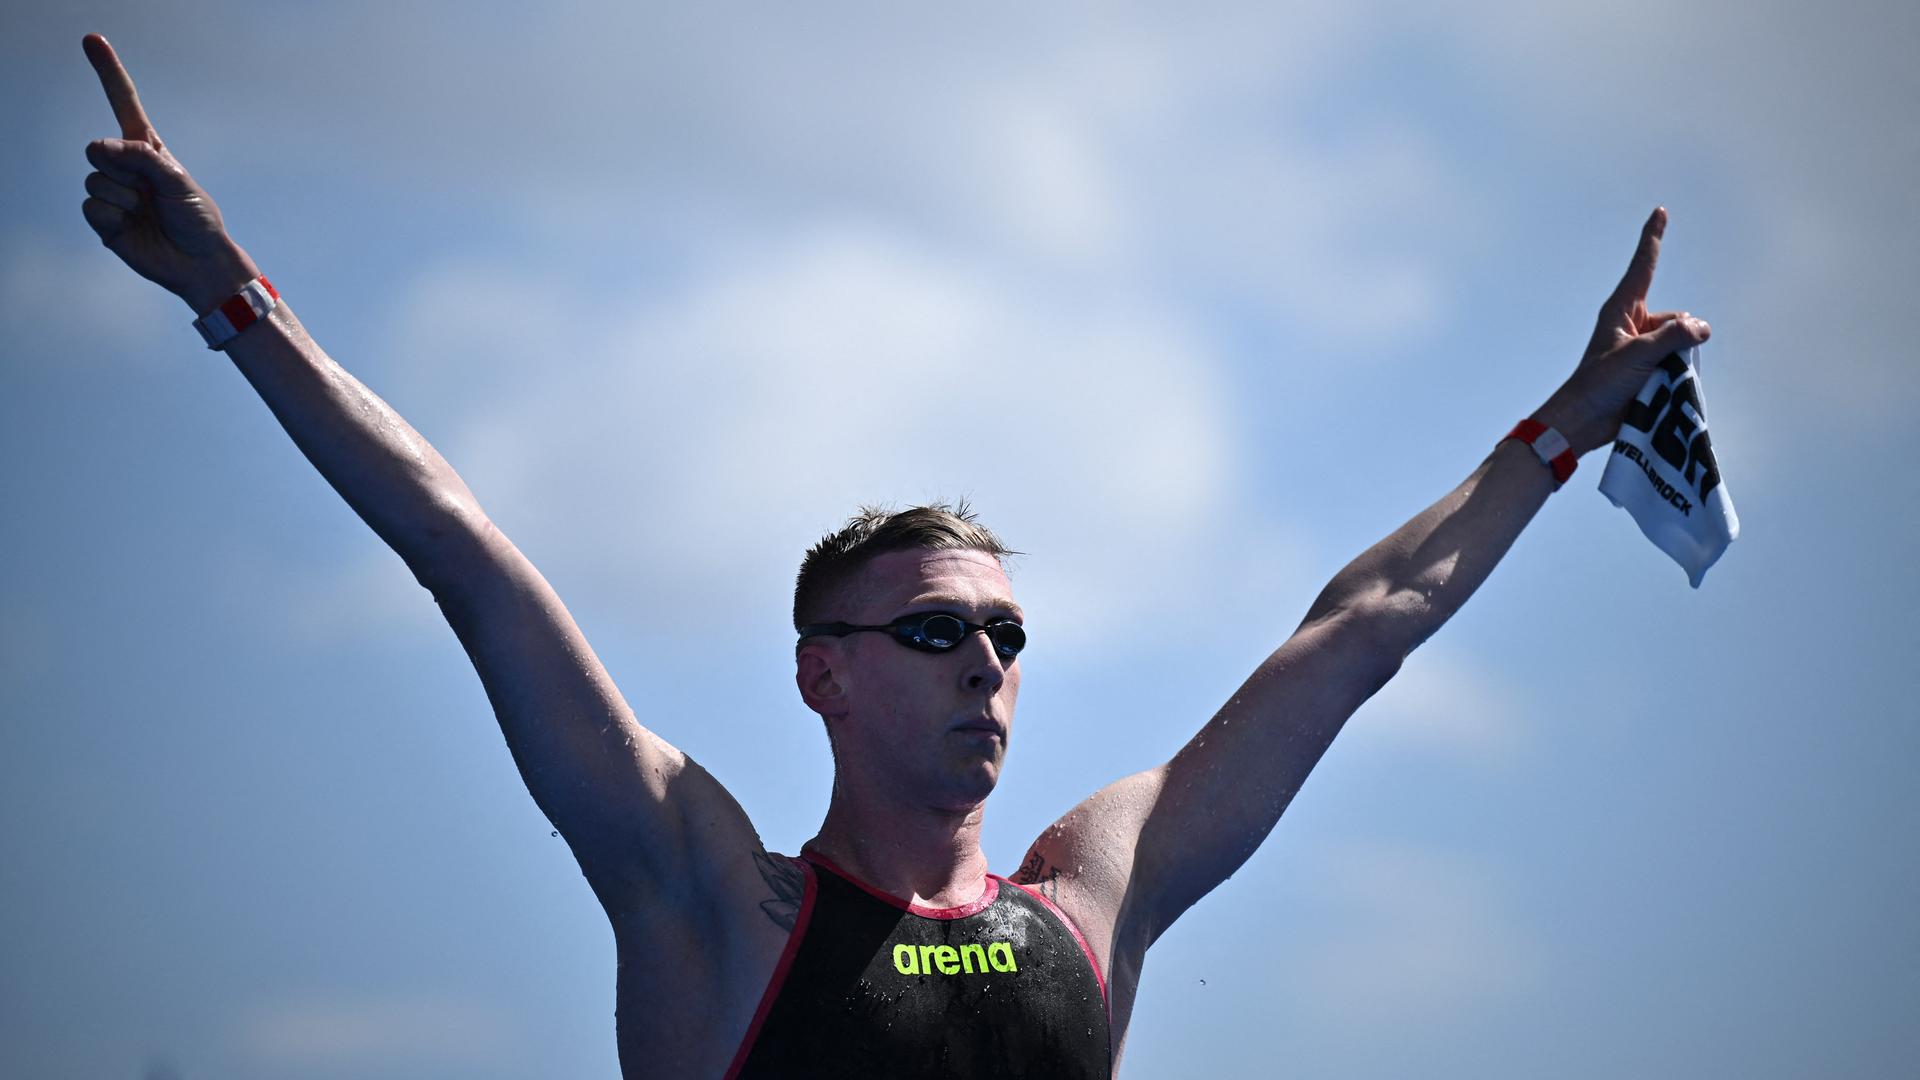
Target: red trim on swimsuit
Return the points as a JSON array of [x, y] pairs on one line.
[[986, 897], [1092, 960], [780, 972]]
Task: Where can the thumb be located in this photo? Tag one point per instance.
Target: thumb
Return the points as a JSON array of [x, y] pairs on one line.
[[138, 164], [1674, 336]]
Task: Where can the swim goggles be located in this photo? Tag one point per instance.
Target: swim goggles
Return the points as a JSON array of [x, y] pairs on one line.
[[933, 632]]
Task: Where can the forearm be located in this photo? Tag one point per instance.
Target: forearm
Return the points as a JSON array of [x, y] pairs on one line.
[[385, 470], [1409, 584]]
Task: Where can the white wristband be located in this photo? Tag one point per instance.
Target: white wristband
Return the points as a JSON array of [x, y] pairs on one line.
[[1551, 446], [237, 312]]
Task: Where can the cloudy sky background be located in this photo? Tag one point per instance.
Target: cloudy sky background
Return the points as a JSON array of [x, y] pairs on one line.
[[1194, 307]]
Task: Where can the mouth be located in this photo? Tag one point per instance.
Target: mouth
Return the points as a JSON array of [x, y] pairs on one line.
[[982, 726]]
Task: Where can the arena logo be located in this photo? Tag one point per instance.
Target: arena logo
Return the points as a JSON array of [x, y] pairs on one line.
[[947, 960], [1677, 429]]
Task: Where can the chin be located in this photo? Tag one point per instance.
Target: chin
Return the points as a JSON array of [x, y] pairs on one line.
[[974, 784]]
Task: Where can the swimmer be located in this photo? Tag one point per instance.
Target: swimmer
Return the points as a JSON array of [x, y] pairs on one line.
[[884, 947]]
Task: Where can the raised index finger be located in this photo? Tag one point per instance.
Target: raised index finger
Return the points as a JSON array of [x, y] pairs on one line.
[[119, 87], [1638, 281]]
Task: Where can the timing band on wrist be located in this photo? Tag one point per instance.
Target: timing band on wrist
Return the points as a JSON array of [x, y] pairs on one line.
[[237, 312], [1550, 445]]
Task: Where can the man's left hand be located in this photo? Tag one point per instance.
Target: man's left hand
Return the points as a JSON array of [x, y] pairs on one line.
[[1627, 344]]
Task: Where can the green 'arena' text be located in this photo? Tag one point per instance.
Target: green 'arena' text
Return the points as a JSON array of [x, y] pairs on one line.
[[947, 960]]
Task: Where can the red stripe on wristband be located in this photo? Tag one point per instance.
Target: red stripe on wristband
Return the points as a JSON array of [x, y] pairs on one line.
[[237, 312], [1527, 430], [1553, 451]]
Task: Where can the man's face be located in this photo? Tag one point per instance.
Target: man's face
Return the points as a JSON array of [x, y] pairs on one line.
[[930, 726]]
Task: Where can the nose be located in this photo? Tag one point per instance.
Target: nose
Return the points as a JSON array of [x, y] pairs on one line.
[[986, 668]]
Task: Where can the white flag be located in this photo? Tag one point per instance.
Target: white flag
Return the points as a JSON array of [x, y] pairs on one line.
[[1663, 471]]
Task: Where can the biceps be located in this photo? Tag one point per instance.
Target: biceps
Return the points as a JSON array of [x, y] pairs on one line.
[[621, 795], [1223, 793]]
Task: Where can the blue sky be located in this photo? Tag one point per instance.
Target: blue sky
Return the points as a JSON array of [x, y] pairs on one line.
[[1194, 307]]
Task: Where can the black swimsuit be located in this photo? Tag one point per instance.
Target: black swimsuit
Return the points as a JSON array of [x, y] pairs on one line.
[[872, 986]]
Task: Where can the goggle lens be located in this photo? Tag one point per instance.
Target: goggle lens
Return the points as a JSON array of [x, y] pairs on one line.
[[938, 633]]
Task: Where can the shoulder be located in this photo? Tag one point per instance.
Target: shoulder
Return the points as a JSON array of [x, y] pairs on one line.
[[1086, 861], [1086, 866]]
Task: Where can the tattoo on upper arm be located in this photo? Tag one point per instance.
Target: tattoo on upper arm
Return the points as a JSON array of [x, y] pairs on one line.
[[1039, 873], [789, 884]]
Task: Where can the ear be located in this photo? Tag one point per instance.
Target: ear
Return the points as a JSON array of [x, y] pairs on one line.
[[816, 674]]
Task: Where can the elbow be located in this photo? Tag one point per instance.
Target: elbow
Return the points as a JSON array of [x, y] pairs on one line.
[[1406, 618], [1381, 675], [1346, 598], [452, 544], [1363, 640], [1393, 625]]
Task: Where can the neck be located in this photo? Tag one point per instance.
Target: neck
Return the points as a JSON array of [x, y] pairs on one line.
[[926, 855]]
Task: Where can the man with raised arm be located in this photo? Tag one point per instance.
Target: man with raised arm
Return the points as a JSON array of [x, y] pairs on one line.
[[885, 948]]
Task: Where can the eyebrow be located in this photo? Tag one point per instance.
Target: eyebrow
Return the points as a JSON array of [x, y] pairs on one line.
[[948, 600]]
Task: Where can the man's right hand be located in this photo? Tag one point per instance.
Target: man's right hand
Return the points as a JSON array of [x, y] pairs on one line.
[[145, 207]]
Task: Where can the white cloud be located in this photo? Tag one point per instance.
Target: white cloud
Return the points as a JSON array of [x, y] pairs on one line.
[[1041, 172], [1134, 149], [1787, 116], [1443, 700], [1324, 237], [768, 396]]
